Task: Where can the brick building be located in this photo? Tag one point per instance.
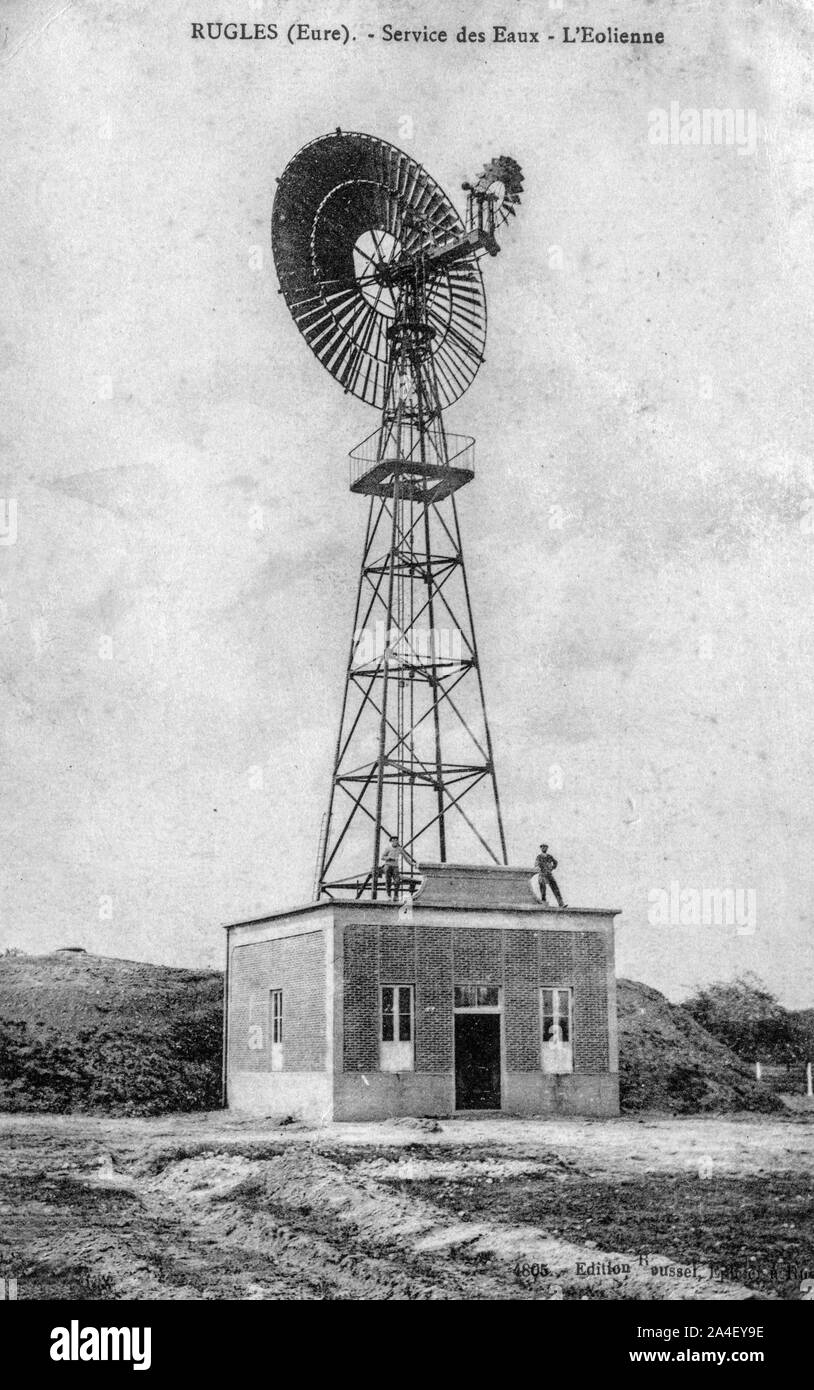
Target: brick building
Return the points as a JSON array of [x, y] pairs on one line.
[[470, 997]]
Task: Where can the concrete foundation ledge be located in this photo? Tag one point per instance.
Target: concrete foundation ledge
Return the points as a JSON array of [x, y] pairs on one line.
[[303, 1095], [387, 1095], [532, 1093]]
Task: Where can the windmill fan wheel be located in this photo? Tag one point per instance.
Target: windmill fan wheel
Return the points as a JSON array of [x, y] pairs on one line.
[[347, 206]]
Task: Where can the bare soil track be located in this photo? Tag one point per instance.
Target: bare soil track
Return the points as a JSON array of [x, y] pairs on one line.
[[212, 1207]]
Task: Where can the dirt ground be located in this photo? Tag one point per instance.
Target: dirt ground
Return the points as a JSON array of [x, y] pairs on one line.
[[214, 1207]]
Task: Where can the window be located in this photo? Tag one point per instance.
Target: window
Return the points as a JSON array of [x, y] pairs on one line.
[[477, 997], [276, 1029], [558, 1053], [277, 1015], [397, 1013], [396, 1050]]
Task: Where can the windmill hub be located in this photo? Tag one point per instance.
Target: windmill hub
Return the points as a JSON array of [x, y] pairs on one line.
[[382, 277]]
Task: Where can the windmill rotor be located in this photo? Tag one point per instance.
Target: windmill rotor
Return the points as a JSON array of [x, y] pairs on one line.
[[353, 216]]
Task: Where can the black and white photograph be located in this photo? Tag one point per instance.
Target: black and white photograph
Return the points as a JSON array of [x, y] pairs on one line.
[[407, 611]]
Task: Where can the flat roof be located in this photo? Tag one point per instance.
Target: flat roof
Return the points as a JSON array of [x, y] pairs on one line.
[[382, 904]]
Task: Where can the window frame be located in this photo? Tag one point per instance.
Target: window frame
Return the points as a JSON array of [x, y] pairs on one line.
[[477, 1008], [396, 1013], [396, 1053], [276, 1029], [567, 1048], [275, 1016]]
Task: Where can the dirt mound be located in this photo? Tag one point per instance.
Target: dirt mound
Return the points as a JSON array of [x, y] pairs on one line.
[[669, 1062], [91, 1033]]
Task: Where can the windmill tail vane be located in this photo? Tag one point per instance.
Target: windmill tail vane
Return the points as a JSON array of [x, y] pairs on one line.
[[383, 279]]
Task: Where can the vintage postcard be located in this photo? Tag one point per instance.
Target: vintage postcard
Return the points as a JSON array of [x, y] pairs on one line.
[[406, 541]]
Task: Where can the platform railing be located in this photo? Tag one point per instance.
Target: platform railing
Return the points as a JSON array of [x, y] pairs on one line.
[[367, 456]]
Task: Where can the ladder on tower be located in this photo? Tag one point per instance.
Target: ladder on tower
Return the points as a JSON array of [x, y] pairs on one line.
[[323, 830]]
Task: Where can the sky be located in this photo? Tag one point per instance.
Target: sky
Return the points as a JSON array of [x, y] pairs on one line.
[[178, 545]]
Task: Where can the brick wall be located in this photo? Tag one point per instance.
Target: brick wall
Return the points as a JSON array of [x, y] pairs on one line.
[[361, 989], [521, 1001], [556, 958], [578, 959], [590, 1003], [296, 965], [478, 955], [397, 962], [436, 958], [433, 1011]]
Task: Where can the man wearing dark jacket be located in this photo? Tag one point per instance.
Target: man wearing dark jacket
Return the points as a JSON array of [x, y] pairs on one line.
[[545, 863]]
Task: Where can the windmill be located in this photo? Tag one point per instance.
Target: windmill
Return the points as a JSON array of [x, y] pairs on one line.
[[383, 280]]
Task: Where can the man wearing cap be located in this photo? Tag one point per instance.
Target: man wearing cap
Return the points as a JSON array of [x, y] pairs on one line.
[[391, 863], [545, 863]]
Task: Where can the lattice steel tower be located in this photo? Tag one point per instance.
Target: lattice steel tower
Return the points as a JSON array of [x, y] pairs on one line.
[[382, 278]]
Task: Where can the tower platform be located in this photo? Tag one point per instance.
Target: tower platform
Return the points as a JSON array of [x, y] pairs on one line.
[[468, 995], [422, 478]]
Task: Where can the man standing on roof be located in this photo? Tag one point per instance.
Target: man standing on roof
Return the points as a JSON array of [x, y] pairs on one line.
[[391, 863], [545, 864]]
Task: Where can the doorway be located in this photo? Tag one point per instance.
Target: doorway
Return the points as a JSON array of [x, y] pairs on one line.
[[477, 1061]]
